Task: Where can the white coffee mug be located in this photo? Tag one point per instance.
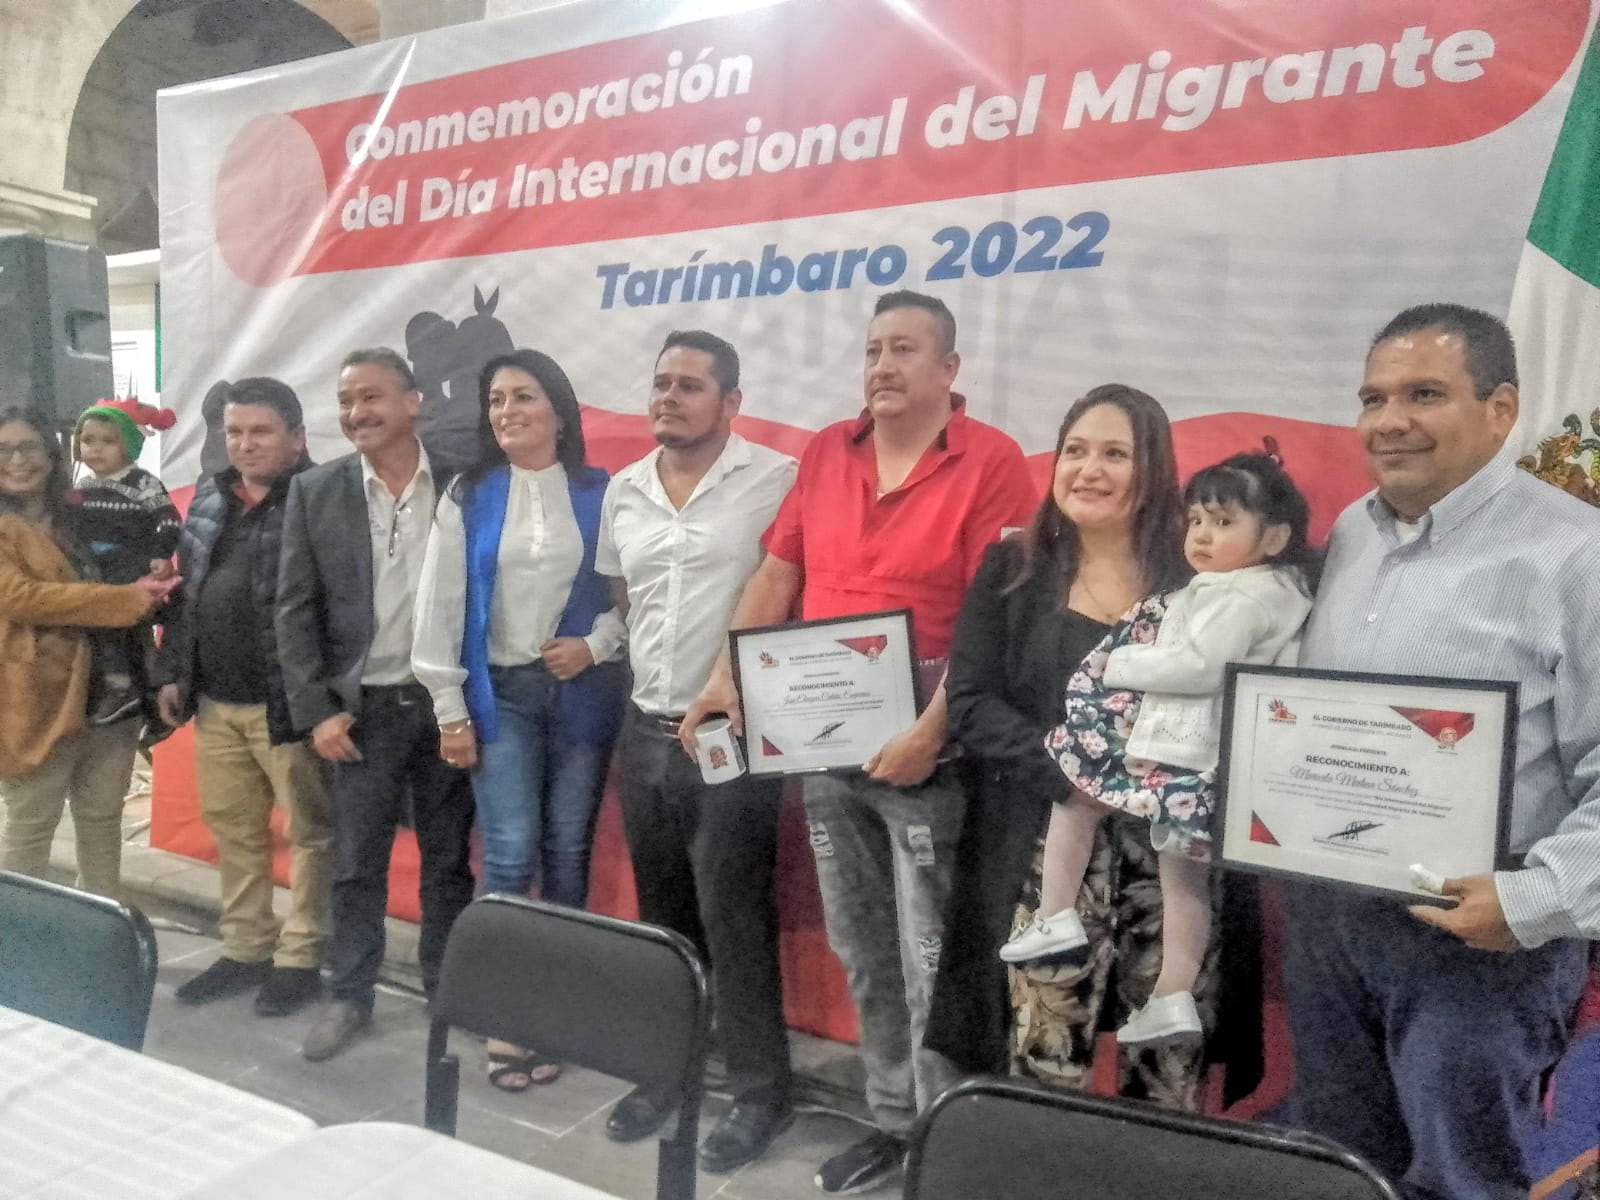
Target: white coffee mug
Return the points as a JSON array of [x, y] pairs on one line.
[[718, 751]]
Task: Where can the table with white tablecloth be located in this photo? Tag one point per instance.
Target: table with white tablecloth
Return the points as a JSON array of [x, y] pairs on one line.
[[82, 1119], [375, 1160]]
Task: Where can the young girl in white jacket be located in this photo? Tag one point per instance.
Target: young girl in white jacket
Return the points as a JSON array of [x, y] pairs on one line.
[[1155, 758]]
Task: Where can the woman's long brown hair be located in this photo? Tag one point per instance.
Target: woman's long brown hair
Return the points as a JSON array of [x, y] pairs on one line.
[[1050, 541]]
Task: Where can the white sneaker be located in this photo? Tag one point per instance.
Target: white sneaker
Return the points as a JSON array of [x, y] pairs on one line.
[[1046, 936], [1171, 1018]]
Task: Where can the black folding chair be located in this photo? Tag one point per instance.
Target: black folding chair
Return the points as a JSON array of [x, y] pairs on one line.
[[621, 998], [79, 960], [1004, 1139]]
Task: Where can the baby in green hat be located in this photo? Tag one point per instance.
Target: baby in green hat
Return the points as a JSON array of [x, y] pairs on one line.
[[124, 520]]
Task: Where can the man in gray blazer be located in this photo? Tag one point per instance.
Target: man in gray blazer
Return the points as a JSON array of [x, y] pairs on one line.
[[354, 534]]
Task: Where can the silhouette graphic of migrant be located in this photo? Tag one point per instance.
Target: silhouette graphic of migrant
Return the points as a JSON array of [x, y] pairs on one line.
[[446, 359]]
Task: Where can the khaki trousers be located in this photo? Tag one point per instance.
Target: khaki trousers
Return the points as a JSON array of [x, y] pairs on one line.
[[241, 776], [90, 770]]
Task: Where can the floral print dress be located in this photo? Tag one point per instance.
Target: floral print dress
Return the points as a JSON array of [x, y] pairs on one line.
[[1089, 748]]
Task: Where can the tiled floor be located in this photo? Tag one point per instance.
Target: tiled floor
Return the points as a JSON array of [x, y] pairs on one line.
[[561, 1127]]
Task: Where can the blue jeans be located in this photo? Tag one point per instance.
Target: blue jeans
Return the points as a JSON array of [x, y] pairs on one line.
[[1422, 1055], [537, 794]]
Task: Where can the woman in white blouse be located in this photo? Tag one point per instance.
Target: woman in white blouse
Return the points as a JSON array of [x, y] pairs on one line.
[[520, 645]]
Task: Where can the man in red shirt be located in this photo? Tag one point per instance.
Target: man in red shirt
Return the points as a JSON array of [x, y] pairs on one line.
[[891, 510]]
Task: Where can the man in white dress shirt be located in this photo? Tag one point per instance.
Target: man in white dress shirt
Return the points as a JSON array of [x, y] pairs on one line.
[[681, 534], [354, 534]]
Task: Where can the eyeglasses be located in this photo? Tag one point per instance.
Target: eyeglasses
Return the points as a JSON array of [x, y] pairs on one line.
[[394, 527], [26, 451]]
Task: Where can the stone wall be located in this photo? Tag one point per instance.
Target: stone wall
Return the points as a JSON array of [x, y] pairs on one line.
[[77, 112]]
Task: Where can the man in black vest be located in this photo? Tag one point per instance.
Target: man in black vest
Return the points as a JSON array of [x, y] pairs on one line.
[[219, 665], [354, 536]]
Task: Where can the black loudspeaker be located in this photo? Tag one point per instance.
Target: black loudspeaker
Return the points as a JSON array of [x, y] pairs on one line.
[[55, 326]]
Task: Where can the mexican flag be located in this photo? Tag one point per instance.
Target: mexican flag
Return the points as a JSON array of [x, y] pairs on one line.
[[1555, 304]]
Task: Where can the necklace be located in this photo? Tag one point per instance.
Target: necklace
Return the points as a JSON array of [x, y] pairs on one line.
[[1103, 612]]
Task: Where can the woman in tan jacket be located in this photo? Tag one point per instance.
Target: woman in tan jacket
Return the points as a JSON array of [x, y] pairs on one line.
[[49, 754]]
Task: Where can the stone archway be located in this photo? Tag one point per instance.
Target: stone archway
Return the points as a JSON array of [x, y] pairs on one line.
[[46, 47], [111, 141]]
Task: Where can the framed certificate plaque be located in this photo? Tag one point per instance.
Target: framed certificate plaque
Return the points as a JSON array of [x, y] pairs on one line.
[[824, 695], [1353, 778]]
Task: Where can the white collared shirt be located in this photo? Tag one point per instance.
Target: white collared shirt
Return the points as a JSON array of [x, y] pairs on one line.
[[685, 568], [541, 550], [398, 528]]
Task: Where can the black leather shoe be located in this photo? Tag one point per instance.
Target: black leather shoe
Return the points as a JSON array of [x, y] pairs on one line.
[[223, 978], [743, 1135], [287, 990], [863, 1167], [637, 1115]]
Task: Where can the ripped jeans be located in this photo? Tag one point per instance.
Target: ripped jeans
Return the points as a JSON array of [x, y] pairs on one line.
[[884, 858]]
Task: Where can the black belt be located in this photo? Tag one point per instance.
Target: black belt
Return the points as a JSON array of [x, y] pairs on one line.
[[394, 691], [667, 726]]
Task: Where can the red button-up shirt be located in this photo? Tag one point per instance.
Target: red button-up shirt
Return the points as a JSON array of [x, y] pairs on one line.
[[916, 547]]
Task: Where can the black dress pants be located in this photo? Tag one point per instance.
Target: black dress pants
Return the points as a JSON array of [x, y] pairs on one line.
[[399, 745], [703, 863]]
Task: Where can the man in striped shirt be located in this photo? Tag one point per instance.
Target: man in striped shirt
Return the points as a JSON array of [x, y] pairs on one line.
[[1421, 1034]]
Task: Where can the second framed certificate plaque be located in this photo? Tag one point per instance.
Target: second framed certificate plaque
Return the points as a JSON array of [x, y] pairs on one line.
[[824, 695], [1353, 779]]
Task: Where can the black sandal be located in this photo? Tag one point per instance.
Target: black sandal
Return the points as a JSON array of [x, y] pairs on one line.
[[506, 1069]]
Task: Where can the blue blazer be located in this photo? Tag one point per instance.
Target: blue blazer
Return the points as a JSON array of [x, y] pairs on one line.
[[590, 706]]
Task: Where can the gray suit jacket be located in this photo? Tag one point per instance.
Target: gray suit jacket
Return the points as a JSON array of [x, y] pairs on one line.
[[324, 614]]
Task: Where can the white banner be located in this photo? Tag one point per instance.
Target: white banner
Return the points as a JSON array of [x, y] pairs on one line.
[[1215, 203]]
